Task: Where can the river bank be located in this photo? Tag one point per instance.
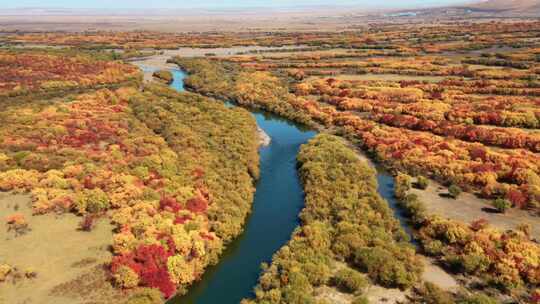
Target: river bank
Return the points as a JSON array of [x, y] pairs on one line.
[[264, 139]]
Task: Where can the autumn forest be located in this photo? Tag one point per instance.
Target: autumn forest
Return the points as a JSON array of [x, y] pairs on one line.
[[101, 144]]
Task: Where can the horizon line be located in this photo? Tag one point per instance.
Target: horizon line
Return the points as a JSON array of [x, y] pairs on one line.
[[240, 7]]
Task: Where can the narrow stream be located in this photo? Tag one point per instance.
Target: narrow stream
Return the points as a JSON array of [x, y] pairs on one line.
[[278, 201], [385, 188]]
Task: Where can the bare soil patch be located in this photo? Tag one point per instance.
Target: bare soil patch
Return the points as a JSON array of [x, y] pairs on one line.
[[332, 295], [377, 294], [433, 273], [468, 208]]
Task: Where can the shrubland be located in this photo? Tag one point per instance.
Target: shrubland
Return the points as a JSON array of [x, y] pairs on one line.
[[505, 260], [445, 114], [174, 172], [24, 72], [495, 161], [401, 39]]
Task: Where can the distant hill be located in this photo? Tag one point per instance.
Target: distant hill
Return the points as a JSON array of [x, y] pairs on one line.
[[511, 6]]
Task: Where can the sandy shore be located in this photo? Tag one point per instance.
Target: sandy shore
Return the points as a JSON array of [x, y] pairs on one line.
[[151, 64], [264, 139]]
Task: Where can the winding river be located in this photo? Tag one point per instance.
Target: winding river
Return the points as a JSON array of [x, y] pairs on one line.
[[278, 201]]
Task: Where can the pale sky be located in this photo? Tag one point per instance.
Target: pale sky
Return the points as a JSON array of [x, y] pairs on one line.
[[134, 4]]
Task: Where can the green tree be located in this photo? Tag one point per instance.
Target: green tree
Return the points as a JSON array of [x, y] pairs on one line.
[[403, 184], [501, 204], [350, 280], [422, 182], [454, 191]]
